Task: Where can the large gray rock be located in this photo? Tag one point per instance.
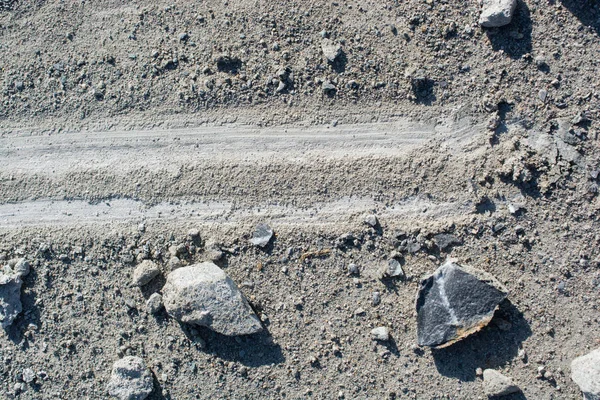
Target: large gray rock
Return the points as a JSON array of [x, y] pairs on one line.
[[497, 13], [495, 384], [202, 294], [454, 302], [10, 298], [585, 372], [130, 379]]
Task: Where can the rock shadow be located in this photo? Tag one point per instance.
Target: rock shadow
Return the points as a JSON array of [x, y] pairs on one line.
[[339, 65], [492, 347], [30, 313], [585, 12], [250, 350], [515, 38], [157, 393]]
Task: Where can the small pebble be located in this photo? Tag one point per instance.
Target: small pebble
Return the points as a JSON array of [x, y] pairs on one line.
[[154, 303]]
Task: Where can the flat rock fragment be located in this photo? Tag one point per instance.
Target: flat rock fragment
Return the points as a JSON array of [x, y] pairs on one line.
[[445, 240], [10, 298], [585, 372], [202, 294], [496, 385], [454, 302], [262, 235], [145, 272], [331, 50], [380, 333], [496, 13], [130, 379]]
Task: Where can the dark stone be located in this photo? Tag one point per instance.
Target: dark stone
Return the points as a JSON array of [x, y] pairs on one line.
[[444, 240], [454, 302]]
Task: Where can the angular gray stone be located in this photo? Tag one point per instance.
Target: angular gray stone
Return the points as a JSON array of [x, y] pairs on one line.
[[495, 384], [130, 379], [394, 269], [145, 272], [10, 298], [496, 13], [585, 372], [331, 50], [371, 220], [202, 294], [381, 333], [454, 302], [262, 235], [154, 303]]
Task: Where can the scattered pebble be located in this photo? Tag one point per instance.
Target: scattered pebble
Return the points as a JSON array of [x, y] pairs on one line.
[[372, 221], [496, 384], [262, 235], [130, 379], [145, 272], [496, 13], [28, 375], [394, 269], [381, 333], [154, 303], [331, 50], [376, 299], [353, 269]]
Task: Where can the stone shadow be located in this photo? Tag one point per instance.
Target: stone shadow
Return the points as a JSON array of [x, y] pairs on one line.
[[492, 347], [585, 12], [250, 350], [30, 313], [515, 38]]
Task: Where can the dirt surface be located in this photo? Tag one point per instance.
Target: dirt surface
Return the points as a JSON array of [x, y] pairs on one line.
[[122, 127]]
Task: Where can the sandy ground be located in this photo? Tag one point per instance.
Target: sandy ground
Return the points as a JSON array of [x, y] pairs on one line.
[[118, 135]]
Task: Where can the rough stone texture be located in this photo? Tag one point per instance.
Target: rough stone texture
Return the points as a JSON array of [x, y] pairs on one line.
[[145, 272], [380, 333], [585, 372], [495, 384], [22, 267], [371, 220], [331, 50], [202, 294], [394, 269], [497, 13], [10, 299], [130, 379], [454, 302], [444, 240], [262, 235], [154, 303]]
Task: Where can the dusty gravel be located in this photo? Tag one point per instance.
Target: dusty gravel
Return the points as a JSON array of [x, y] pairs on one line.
[[123, 127]]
